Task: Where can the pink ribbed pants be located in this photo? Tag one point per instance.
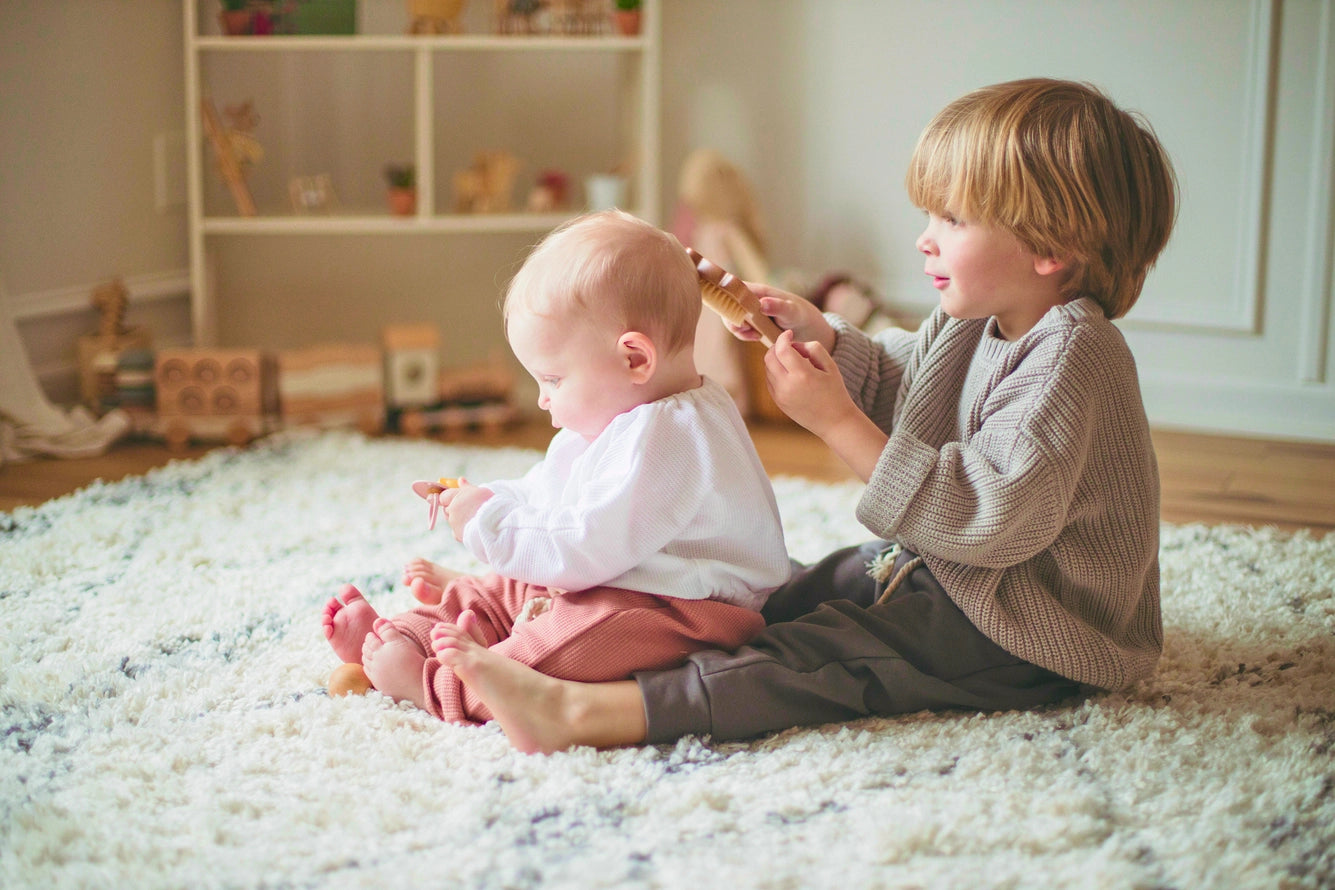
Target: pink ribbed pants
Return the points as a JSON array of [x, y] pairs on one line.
[[590, 635]]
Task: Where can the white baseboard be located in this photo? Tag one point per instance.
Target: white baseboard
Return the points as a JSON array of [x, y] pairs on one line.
[[1298, 411], [49, 321], [75, 298]]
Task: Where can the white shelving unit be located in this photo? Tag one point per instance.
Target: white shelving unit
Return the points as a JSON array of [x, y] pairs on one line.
[[636, 59]]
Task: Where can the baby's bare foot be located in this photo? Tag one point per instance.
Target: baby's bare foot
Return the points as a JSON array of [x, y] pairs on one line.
[[394, 663], [427, 580], [347, 619]]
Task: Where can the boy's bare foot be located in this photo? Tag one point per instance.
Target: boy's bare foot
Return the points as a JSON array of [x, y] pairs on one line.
[[347, 619], [394, 663], [466, 622], [427, 580], [539, 714]]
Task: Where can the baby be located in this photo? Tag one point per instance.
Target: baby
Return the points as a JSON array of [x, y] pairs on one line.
[[648, 531]]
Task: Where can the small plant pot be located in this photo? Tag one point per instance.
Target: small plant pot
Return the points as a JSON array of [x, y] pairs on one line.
[[627, 21], [403, 202], [234, 22]]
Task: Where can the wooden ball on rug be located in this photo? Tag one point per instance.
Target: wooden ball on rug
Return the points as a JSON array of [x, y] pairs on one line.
[[349, 679]]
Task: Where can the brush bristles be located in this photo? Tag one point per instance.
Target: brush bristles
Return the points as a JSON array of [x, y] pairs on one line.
[[722, 302], [727, 295]]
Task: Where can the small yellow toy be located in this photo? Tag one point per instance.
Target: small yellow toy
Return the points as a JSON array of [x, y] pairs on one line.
[[349, 679]]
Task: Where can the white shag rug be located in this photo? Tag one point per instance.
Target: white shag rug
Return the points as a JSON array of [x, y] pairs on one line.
[[165, 722]]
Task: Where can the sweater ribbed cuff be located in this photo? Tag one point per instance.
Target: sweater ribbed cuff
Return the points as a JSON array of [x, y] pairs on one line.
[[899, 475]]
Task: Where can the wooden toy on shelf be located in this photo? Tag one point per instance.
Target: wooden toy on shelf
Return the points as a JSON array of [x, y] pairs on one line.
[[226, 143], [211, 394], [487, 185], [518, 16], [436, 16], [332, 385]]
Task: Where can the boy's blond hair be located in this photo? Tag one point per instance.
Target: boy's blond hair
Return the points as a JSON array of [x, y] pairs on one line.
[[1061, 167], [613, 268]]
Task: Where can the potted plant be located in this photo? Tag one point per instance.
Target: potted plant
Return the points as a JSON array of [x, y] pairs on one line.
[[402, 179], [627, 16], [235, 17]]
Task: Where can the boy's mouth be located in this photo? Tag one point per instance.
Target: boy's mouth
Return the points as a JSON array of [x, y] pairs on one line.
[[940, 282]]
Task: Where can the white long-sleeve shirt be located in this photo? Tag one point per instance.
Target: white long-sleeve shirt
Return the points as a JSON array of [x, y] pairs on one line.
[[670, 499]]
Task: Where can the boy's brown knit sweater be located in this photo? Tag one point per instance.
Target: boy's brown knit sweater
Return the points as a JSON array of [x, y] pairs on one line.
[[1040, 517]]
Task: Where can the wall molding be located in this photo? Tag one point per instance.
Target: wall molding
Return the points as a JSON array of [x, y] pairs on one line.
[[1242, 314], [1317, 266], [1263, 409], [146, 288]]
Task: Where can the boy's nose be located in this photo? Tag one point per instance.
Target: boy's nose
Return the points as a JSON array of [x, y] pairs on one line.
[[924, 243]]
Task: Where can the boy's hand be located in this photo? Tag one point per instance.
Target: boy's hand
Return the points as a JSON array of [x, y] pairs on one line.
[[806, 384], [461, 504], [790, 312]]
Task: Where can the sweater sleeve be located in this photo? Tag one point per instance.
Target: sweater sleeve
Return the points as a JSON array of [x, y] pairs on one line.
[[874, 369], [1002, 493]]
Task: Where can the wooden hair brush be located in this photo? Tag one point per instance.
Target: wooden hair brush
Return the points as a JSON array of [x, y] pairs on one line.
[[727, 295]]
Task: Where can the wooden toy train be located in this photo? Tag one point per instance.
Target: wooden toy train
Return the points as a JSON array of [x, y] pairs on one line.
[[236, 395]]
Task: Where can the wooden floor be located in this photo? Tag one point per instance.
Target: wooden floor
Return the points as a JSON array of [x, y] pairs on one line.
[[1211, 479]]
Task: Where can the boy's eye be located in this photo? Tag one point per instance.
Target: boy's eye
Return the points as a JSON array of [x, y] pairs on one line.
[[552, 381]]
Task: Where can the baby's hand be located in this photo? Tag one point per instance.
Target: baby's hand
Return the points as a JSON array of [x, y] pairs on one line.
[[461, 504], [431, 492]]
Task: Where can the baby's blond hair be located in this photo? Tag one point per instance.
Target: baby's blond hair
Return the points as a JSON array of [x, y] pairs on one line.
[[615, 269], [1065, 170]]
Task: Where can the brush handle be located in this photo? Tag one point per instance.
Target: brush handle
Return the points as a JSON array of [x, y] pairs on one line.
[[748, 304]]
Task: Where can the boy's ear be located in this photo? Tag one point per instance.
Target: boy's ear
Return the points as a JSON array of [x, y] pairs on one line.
[[639, 355], [1048, 265]]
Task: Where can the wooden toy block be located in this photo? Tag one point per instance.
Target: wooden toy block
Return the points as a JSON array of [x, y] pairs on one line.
[[489, 382], [211, 394], [332, 385], [412, 365], [98, 361]]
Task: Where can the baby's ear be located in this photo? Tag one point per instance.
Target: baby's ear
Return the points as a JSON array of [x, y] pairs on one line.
[[639, 354]]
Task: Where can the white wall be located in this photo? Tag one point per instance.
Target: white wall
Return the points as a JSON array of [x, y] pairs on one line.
[[86, 88], [819, 101]]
